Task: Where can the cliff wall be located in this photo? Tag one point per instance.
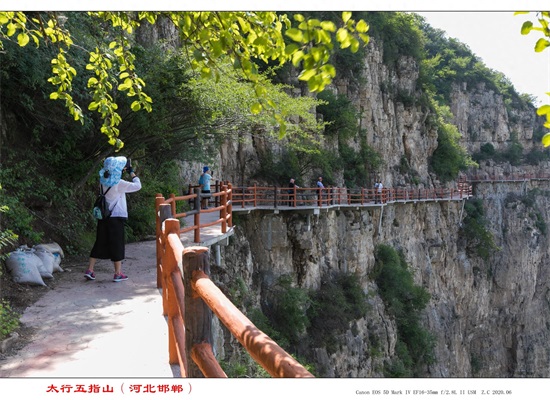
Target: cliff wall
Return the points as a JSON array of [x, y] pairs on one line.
[[489, 316]]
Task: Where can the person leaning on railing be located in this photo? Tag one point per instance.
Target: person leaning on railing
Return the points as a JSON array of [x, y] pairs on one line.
[[291, 190]]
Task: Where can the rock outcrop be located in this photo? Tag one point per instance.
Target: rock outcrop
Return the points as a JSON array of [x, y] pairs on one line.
[[490, 316]]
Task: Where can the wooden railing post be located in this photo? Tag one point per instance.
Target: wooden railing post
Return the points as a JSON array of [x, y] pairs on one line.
[[218, 188], [173, 203], [159, 248], [198, 316], [230, 204], [171, 260], [223, 211], [255, 196], [197, 217], [165, 212], [275, 196]]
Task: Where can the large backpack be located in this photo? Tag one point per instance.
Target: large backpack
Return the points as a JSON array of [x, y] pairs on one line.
[[101, 211]]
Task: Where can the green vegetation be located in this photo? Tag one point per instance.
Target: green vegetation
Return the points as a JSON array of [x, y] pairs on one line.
[[450, 157], [300, 319], [9, 320], [240, 39], [338, 302], [404, 301], [479, 240], [529, 200], [540, 26]]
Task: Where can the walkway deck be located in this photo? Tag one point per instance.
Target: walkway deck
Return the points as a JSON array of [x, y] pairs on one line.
[[98, 329]]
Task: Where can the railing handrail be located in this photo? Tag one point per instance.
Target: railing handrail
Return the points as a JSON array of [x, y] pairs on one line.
[[222, 197], [280, 196], [190, 302]]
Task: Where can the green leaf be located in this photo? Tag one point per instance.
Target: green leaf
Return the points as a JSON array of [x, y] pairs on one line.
[[546, 140], [291, 48], [541, 45], [54, 96], [543, 110], [297, 57], [306, 75], [362, 26], [256, 108], [328, 26], [136, 106], [23, 39], [526, 27], [346, 15], [295, 34]]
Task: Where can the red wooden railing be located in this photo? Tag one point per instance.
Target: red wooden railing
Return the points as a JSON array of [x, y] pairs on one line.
[[189, 303], [222, 198], [277, 197], [190, 297]]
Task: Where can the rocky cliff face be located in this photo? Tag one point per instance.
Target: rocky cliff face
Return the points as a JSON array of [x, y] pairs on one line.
[[490, 316]]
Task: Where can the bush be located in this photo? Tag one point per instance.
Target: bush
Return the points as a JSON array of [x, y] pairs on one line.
[[289, 312], [405, 301], [339, 301], [9, 320], [478, 237], [450, 157]]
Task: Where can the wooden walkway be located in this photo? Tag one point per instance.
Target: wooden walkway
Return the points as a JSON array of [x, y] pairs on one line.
[[215, 225]]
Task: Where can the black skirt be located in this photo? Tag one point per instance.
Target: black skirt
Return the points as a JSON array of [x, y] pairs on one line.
[[109, 241]]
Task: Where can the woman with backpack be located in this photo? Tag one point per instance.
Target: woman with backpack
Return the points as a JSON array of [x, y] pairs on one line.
[[109, 243]]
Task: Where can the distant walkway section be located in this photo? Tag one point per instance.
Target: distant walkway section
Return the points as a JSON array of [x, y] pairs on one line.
[[245, 199]]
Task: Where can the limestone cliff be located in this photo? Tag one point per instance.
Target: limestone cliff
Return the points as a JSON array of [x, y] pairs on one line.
[[490, 316]]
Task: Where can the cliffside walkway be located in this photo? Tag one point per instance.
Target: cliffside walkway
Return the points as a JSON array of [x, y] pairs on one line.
[[246, 199], [78, 325]]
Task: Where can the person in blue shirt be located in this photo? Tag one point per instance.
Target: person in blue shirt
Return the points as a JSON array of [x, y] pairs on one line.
[[204, 181]]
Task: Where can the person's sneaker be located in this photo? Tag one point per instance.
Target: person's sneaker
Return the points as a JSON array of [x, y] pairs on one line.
[[119, 277], [89, 275]]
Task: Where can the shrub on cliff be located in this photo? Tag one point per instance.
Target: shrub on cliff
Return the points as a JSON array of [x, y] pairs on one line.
[[405, 301]]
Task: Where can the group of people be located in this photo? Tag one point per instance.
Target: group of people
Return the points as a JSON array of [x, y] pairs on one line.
[[292, 190], [110, 235]]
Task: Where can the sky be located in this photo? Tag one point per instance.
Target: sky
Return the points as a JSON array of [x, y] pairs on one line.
[[495, 37]]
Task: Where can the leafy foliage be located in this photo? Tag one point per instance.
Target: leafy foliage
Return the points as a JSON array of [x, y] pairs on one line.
[[399, 33], [9, 320], [339, 301], [209, 38], [543, 20], [474, 230], [405, 301], [450, 157]]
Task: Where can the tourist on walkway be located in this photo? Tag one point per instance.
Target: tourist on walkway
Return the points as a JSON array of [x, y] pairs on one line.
[[378, 189], [109, 243], [320, 183], [320, 188], [204, 181], [291, 190]]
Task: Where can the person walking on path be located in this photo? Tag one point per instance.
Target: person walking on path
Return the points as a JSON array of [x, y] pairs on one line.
[[204, 181], [109, 243], [291, 191]]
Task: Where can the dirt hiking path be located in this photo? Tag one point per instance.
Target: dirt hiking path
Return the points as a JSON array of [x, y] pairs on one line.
[[98, 329]]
